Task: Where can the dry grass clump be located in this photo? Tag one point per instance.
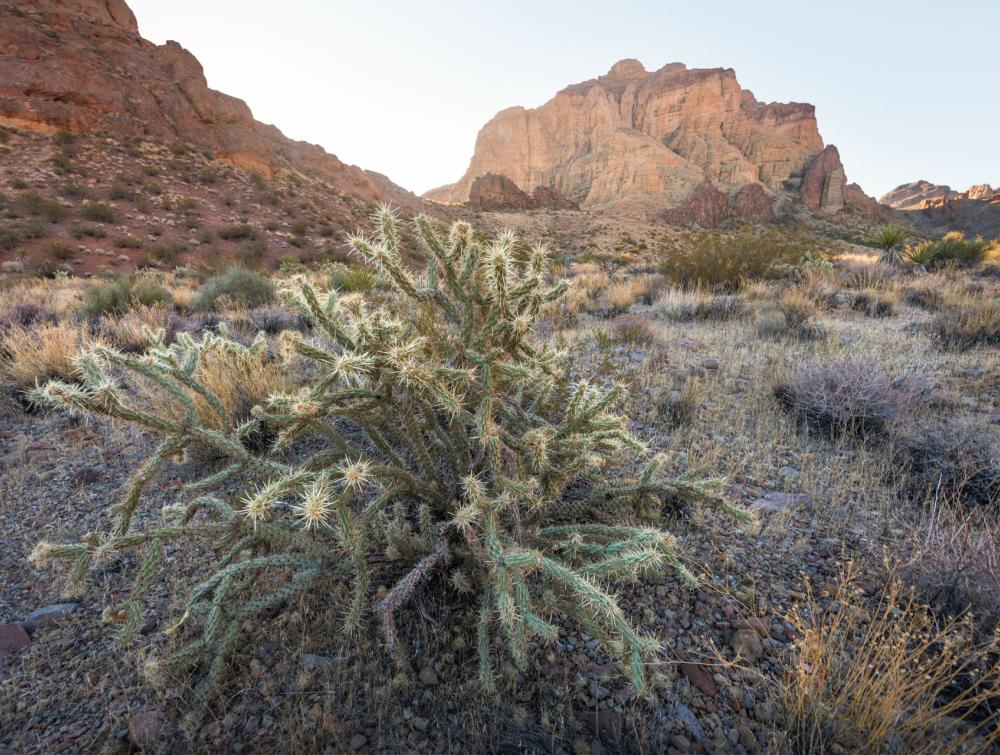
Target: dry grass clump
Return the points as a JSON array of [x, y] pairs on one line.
[[888, 678], [30, 355], [954, 560], [952, 460], [967, 324], [794, 314], [26, 313], [866, 275], [240, 376], [698, 306], [848, 398], [582, 295], [619, 297], [680, 407], [632, 330], [875, 302], [130, 331]]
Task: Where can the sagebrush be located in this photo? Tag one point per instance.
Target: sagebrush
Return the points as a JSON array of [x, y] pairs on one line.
[[433, 439]]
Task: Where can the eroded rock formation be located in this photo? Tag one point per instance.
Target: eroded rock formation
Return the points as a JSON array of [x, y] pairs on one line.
[[81, 66], [936, 208], [494, 191], [651, 140]]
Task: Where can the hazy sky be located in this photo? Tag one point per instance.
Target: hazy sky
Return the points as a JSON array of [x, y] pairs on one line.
[[906, 90]]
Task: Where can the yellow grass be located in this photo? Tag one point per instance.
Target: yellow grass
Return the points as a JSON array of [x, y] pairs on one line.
[[873, 679], [31, 355]]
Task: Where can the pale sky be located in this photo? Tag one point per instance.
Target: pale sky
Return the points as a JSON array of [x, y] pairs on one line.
[[906, 90]]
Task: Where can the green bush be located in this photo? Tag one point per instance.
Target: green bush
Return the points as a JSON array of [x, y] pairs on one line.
[[120, 295], [435, 440], [235, 287], [238, 232], [98, 212], [952, 248], [351, 277], [715, 258]]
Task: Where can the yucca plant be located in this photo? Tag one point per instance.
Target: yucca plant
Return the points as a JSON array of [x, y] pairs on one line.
[[433, 440], [921, 254], [888, 238]]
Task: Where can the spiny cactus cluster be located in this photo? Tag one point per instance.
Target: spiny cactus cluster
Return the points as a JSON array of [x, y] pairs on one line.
[[443, 444]]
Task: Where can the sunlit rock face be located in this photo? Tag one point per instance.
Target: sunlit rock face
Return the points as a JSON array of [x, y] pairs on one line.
[[639, 139]]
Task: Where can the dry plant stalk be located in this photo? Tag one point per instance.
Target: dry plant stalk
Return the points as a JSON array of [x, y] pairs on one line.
[[890, 677]]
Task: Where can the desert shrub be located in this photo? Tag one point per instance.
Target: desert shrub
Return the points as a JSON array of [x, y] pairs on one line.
[[953, 248], [351, 278], [41, 207], [693, 306], [869, 277], [954, 460], [967, 324], [953, 560], [619, 297], [98, 212], [453, 448], [887, 677], [874, 303], [715, 258], [235, 287], [271, 320], [680, 406], [632, 330], [929, 297], [24, 314], [32, 354], [238, 232], [848, 398], [117, 296]]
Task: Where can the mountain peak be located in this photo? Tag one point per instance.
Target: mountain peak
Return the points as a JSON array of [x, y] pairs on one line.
[[629, 68]]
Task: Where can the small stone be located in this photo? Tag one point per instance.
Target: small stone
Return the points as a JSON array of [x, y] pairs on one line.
[[48, 616], [710, 363], [700, 678], [144, 727], [747, 644], [87, 476], [753, 623], [311, 663], [681, 742], [358, 741], [428, 676], [419, 723], [13, 638]]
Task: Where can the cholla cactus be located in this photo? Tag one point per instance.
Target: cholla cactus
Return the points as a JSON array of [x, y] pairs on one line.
[[452, 446]]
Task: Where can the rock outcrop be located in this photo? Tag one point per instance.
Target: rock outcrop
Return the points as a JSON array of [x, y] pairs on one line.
[[81, 66], [649, 140], [494, 191], [825, 182], [709, 207], [917, 195], [935, 208]]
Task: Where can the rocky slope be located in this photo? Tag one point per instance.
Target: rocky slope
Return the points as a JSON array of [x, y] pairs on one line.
[[81, 66], [935, 208], [648, 140]]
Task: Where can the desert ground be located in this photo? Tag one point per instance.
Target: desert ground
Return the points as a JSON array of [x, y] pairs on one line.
[[843, 403]]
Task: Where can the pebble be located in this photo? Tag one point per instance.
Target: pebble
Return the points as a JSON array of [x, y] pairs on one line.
[[747, 644], [358, 741], [49, 616], [428, 676]]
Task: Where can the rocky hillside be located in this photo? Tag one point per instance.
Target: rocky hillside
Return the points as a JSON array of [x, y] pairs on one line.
[[634, 139], [935, 208], [81, 66]]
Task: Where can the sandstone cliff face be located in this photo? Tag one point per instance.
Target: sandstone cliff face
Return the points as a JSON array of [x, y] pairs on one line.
[[917, 195], [648, 140], [80, 65], [936, 209]]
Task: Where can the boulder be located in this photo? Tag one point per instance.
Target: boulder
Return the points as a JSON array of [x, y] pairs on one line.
[[825, 182]]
